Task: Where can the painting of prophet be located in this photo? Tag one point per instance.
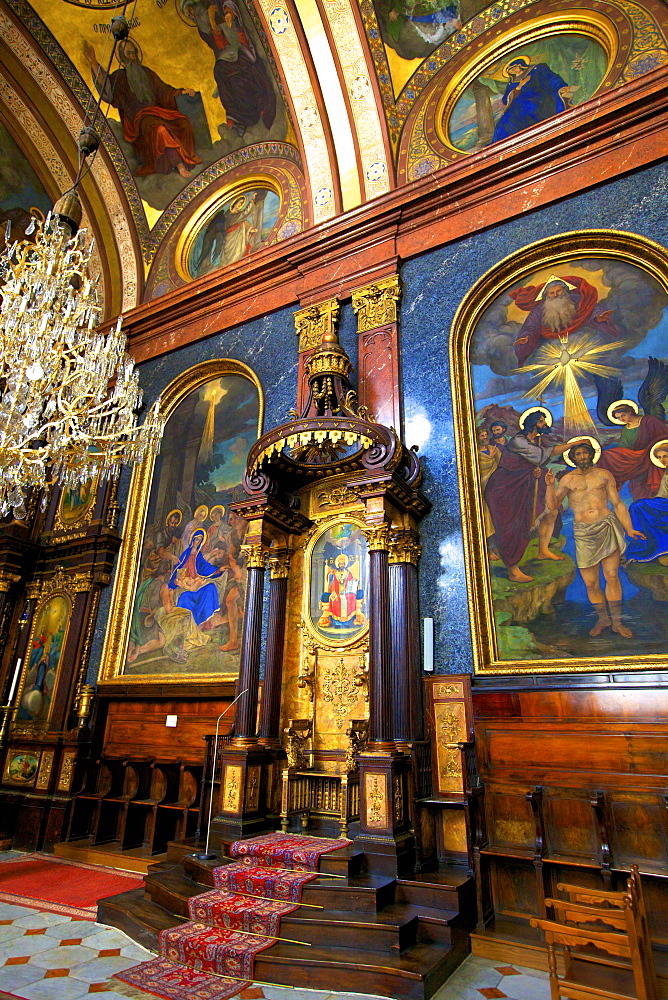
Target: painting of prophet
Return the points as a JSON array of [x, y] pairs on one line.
[[191, 84], [338, 588], [43, 658], [241, 224], [21, 768], [534, 82], [188, 602], [569, 371], [414, 28]]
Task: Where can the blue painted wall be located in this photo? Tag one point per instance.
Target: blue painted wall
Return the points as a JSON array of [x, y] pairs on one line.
[[433, 287]]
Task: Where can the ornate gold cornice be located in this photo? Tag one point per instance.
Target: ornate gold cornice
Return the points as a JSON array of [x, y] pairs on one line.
[[70, 583], [279, 567], [378, 538], [313, 322], [404, 549], [376, 305]]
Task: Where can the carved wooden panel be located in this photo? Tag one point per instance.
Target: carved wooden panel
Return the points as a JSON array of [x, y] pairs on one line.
[[141, 725]]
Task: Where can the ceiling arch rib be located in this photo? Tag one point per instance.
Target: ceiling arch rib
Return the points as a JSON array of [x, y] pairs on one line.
[[368, 128], [319, 159], [59, 108]]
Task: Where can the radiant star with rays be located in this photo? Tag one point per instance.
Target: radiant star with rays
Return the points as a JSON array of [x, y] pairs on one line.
[[567, 362]]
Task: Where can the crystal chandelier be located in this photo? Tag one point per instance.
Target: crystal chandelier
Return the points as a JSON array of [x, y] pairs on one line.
[[68, 393]]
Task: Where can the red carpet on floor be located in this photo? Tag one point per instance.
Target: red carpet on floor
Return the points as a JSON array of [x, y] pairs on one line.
[[43, 882]]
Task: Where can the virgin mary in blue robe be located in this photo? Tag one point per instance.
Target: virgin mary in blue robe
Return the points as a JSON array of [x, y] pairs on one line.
[[202, 602], [650, 517], [529, 100]]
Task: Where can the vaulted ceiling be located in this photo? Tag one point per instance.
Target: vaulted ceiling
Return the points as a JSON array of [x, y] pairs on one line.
[[230, 124]]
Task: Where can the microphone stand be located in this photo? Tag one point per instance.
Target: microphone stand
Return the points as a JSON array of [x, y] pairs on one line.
[[207, 855]]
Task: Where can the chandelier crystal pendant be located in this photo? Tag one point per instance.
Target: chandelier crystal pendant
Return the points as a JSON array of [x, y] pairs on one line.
[[68, 393]]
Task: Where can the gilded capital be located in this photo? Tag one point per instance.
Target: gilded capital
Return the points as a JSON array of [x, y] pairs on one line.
[[378, 539], [256, 556], [313, 322], [279, 567], [6, 581], [404, 549], [376, 305]]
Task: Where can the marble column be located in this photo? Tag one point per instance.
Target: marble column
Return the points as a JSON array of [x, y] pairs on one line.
[[406, 665], [381, 735]]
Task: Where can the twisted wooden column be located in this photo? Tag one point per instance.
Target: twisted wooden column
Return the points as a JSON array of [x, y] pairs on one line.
[[270, 711]]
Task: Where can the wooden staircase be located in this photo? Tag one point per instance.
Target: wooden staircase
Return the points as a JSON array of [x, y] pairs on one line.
[[399, 938]]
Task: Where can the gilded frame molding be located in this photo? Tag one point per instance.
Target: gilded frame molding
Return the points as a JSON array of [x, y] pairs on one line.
[[590, 23], [209, 208], [628, 247], [123, 594], [323, 641]]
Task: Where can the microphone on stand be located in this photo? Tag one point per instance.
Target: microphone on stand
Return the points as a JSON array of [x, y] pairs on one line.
[[207, 855]]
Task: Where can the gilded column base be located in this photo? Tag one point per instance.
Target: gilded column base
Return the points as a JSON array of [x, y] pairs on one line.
[[385, 835]]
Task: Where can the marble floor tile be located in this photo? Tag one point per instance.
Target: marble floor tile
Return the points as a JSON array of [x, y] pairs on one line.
[[526, 988], [64, 956], [25, 945], [101, 969], [55, 989], [14, 976], [74, 929], [38, 918]]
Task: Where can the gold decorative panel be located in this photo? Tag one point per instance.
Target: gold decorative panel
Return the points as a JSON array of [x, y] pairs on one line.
[[67, 771], [45, 767], [375, 792], [232, 789]]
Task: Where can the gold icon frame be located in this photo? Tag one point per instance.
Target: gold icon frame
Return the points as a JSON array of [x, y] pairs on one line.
[[211, 207], [125, 584], [591, 24], [557, 250]]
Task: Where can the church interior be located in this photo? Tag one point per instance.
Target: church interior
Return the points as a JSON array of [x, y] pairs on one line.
[[333, 646]]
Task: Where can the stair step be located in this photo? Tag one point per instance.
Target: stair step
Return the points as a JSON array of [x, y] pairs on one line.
[[453, 890], [138, 916], [367, 893], [138, 859]]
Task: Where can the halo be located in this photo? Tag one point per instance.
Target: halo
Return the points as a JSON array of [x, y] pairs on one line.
[[123, 42], [511, 62], [197, 531], [618, 402], [172, 513], [201, 512], [663, 443], [219, 507], [554, 277], [596, 445], [180, 4], [536, 409], [239, 197]]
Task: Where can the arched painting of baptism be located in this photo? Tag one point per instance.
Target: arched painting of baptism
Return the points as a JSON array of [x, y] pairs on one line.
[[47, 640], [532, 83], [239, 226], [338, 590], [569, 372], [188, 600]]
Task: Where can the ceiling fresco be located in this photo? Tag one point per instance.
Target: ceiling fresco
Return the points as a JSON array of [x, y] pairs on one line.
[[317, 106]]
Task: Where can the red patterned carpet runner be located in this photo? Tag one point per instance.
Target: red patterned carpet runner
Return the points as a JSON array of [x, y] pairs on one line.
[[212, 957], [43, 882]]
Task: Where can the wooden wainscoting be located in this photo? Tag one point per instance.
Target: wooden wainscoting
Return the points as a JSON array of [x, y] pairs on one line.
[[139, 725], [576, 791]]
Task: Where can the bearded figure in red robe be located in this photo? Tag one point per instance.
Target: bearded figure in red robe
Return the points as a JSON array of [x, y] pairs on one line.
[[557, 309], [161, 136], [341, 602]]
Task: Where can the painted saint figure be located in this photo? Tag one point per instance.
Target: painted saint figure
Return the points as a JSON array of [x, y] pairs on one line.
[[229, 236], [650, 517], [341, 601], [242, 82], [194, 576], [600, 523], [161, 136], [557, 309], [489, 456], [533, 93], [515, 494]]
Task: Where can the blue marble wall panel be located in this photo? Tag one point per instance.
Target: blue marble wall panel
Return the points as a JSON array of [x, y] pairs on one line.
[[433, 287]]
